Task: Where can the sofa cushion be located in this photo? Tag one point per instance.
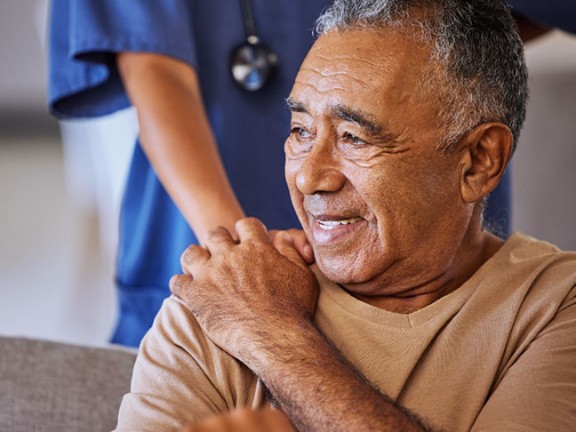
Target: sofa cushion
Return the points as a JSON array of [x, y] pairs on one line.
[[50, 386]]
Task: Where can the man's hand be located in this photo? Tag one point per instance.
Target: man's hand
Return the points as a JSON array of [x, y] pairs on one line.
[[255, 298], [249, 293], [242, 420]]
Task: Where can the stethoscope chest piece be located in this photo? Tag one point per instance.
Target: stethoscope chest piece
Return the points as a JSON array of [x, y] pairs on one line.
[[252, 63]]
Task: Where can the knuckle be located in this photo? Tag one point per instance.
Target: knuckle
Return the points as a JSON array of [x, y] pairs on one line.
[[174, 283], [251, 223], [216, 234], [191, 254], [180, 282], [185, 258]]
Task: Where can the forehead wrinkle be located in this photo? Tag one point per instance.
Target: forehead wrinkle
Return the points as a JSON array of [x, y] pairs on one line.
[[327, 82], [337, 65], [343, 58]]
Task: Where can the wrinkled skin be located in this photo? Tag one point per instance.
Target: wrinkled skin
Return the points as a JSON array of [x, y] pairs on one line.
[[235, 283], [385, 211]]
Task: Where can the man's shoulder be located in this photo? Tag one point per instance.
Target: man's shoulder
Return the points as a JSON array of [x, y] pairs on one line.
[[523, 254], [520, 241], [528, 280]]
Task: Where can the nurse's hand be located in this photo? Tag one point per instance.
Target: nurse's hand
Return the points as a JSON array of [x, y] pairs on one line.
[[241, 420]]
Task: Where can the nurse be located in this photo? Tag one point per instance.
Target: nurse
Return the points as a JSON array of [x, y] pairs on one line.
[[210, 148]]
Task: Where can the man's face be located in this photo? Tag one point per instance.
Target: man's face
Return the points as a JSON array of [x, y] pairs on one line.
[[379, 204]]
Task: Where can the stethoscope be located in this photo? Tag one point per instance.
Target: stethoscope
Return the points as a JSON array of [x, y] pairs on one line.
[[253, 64]]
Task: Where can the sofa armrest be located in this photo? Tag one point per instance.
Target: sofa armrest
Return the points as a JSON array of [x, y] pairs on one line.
[[53, 386]]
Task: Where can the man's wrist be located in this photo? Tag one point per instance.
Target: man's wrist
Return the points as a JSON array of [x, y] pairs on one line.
[[291, 343]]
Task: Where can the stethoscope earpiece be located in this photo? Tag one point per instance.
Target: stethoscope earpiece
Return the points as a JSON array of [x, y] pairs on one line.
[[252, 63]]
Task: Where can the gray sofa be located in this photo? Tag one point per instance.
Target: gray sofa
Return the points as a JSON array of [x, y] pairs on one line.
[[55, 387]]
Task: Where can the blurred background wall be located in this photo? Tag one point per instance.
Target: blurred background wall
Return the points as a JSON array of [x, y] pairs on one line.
[[544, 166], [57, 244], [60, 187]]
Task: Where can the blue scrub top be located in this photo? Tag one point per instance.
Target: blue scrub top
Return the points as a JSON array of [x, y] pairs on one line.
[[250, 128]]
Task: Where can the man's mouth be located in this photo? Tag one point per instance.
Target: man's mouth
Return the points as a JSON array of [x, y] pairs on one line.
[[333, 224]]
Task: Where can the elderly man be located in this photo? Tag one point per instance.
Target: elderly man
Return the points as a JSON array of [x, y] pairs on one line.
[[404, 117]]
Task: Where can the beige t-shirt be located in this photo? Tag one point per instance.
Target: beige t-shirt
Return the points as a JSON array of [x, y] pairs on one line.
[[497, 354]]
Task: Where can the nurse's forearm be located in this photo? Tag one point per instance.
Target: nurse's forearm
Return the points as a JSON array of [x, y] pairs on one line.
[[177, 139]]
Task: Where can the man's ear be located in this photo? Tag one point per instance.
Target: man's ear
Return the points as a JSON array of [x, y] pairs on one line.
[[487, 149]]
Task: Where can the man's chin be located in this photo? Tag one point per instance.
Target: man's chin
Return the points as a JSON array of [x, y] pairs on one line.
[[336, 270]]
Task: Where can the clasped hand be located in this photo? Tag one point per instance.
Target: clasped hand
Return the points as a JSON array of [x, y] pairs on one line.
[[250, 294]]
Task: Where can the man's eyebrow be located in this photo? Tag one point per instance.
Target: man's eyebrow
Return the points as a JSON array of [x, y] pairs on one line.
[[295, 106], [364, 120]]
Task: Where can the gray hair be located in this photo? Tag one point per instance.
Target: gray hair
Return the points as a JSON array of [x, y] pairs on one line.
[[475, 46]]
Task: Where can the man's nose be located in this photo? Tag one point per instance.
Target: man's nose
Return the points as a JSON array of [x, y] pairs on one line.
[[321, 171]]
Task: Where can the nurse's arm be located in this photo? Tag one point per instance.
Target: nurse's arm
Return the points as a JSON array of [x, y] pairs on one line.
[[176, 136]]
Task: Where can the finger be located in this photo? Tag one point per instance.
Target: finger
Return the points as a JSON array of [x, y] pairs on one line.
[[219, 239], [251, 228], [302, 245], [283, 244], [275, 420], [192, 256], [217, 423], [180, 284]]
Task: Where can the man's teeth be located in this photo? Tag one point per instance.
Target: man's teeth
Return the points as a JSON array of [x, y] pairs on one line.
[[329, 225]]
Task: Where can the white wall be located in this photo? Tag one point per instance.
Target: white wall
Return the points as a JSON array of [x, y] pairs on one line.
[[22, 69], [56, 278], [544, 166]]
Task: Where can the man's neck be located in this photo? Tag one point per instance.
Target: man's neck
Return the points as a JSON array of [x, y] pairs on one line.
[[418, 297]]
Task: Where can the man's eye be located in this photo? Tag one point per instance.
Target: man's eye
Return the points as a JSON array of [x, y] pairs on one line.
[[300, 132], [353, 139], [299, 143]]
